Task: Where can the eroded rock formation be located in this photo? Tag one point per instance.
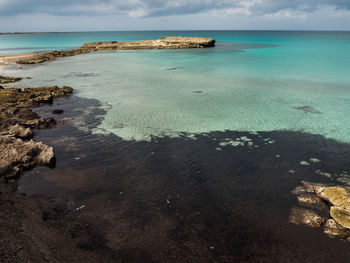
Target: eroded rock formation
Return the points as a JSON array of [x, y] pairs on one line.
[[18, 151], [315, 198], [6, 79]]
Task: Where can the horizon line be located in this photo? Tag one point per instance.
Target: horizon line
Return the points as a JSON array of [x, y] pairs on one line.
[[172, 30]]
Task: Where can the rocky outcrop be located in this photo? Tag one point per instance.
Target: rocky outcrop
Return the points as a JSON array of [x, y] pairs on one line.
[[162, 43], [18, 151], [18, 155], [316, 197], [6, 79], [305, 217]]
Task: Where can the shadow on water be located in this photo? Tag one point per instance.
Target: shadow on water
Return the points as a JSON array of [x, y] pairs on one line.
[[215, 197]]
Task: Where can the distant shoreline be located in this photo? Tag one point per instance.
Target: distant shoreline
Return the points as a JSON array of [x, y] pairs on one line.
[[175, 30], [161, 43]]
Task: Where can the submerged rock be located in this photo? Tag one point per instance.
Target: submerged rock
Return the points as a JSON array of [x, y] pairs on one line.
[[308, 199], [308, 109], [305, 217], [57, 111], [333, 229]]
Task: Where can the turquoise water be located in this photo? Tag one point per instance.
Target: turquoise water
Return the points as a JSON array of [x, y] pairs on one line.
[[255, 81]]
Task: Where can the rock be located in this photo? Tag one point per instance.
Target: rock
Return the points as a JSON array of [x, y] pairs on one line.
[[323, 173], [305, 217], [17, 155], [310, 200], [17, 120], [6, 79], [41, 123], [341, 216], [20, 131], [308, 109], [57, 111], [333, 229], [337, 196], [162, 43]]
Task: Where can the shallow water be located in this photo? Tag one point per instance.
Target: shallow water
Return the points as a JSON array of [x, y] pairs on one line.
[[198, 183], [256, 81], [200, 198]]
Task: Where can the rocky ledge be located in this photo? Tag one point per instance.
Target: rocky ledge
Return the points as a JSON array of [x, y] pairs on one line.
[[5, 79], [323, 207], [162, 43], [18, 151]]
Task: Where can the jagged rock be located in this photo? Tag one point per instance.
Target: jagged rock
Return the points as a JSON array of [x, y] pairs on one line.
[[17, 120], [20, 131], [17, 155], [6, 79], [333, 229], [341, 216], [305, 217], [42, 123]]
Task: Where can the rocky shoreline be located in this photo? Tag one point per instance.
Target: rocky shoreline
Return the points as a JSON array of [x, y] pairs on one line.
[[162, 43], [30, 228], [324, 207], [27, 231], [18, 150]]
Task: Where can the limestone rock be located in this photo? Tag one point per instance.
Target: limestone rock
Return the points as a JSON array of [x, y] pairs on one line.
[[305, 217], [17, 155], [162, 43], [16, 121], [6, 79], [341, 216], [310, 200], [20, 132], [333, 229], [337, 196]]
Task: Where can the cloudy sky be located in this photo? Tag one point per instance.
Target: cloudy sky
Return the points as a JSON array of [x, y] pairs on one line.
[[85, 15]]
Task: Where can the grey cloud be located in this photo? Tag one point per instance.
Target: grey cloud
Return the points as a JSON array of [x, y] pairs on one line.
[[160, 7]]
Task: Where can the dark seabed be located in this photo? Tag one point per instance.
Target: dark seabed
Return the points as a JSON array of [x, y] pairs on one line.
[[196, 198]]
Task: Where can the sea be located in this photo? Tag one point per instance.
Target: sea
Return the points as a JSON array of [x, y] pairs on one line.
[[195, 155], [251, 81]]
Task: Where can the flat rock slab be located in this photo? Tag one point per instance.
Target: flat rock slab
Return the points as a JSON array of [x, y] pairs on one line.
[[341, 216], [337, 196], [162, 43]]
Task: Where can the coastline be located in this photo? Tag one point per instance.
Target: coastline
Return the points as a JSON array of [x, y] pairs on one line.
[[162, 43], [25, 233], [28, 230], [92, 243]]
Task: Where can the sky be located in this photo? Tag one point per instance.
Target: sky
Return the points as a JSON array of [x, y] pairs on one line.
[[105, 15]]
